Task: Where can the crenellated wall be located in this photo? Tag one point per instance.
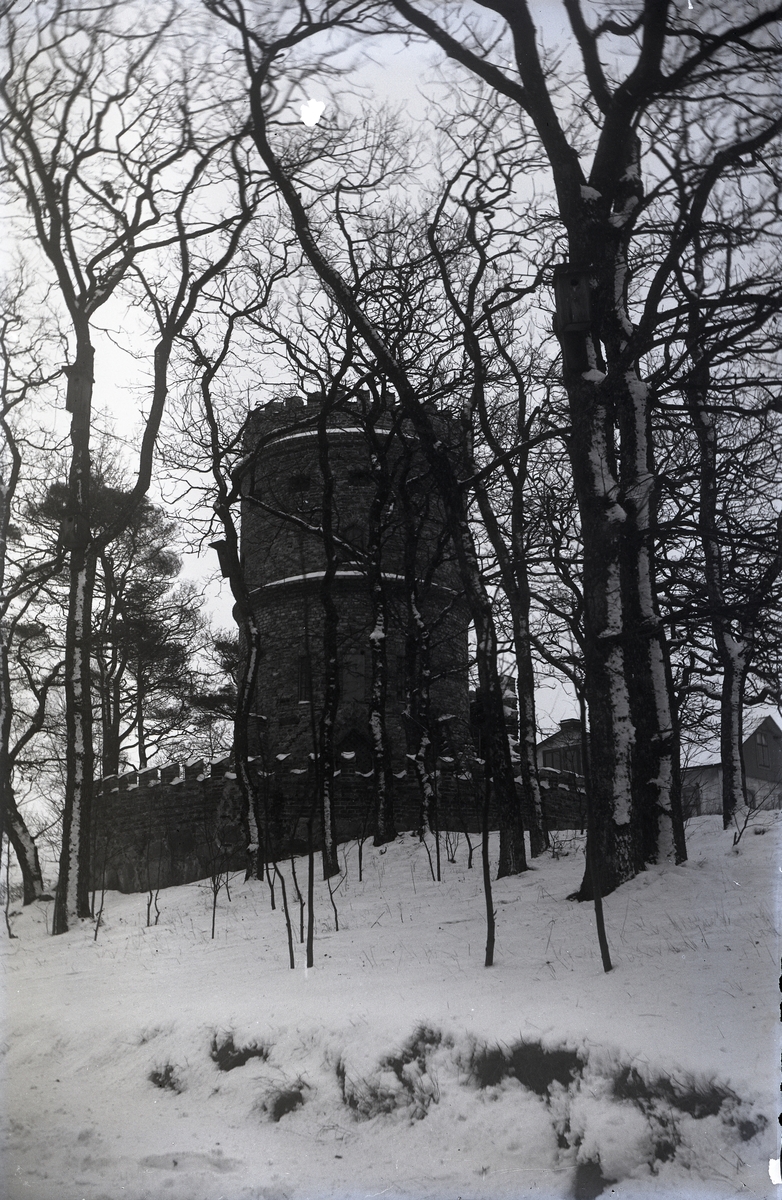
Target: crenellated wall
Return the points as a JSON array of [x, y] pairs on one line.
[[160, 828]]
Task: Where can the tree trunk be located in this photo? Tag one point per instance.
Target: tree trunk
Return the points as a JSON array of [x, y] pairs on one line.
[[525, 674], [611, 731], [245, 697], [26, 853], [418, 672], [731, 650], [73, 884], [656, 778], [381, 759], [381, 756], [325, 754], [628, 683], [512, 562], [141, 731], [734, 788], [528, 760], [106, 659], [6, 708]]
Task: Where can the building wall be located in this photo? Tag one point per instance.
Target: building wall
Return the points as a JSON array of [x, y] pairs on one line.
[[763, 752], [562, 750], [702, 791], [154, 830]]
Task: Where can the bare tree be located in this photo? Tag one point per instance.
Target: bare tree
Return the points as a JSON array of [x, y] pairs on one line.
[[103, 174], [658, 54], [22, 361]]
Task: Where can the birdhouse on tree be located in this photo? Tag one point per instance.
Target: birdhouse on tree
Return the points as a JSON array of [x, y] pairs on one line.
[[74, 532], [221, 548], [571, 294]]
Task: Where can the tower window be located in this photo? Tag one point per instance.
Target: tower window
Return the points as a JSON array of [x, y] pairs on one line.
[[761, 741], [299, 483]]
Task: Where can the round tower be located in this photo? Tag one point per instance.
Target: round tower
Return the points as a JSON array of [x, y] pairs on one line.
[[292, 447]]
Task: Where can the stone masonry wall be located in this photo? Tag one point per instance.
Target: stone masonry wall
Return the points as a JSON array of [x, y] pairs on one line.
[[157, 829]]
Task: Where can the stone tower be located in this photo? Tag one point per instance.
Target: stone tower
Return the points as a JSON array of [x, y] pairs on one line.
[[284, 563]]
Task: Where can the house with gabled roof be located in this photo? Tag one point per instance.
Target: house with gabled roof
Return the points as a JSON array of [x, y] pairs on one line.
[[702, 781], [701, 778]]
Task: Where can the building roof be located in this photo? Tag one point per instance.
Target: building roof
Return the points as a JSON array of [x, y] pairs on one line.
[[708, 754], [568, 734]]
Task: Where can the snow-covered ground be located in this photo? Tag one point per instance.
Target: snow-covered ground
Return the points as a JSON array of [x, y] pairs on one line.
[[399, 1066]]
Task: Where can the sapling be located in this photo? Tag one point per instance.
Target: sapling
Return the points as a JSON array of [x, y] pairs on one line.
[[99, 917], [279, 875], [490, 914], [152, 899], [428, 855], [333, 904], [106, 841], [750, 814], [436, 826], [310, 892], [218, 875], [153, 893], [216, 881], [270, 879], [299, 898]]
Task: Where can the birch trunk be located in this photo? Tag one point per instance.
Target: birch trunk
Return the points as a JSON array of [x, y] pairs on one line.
[[106, 662], [657, 818]]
